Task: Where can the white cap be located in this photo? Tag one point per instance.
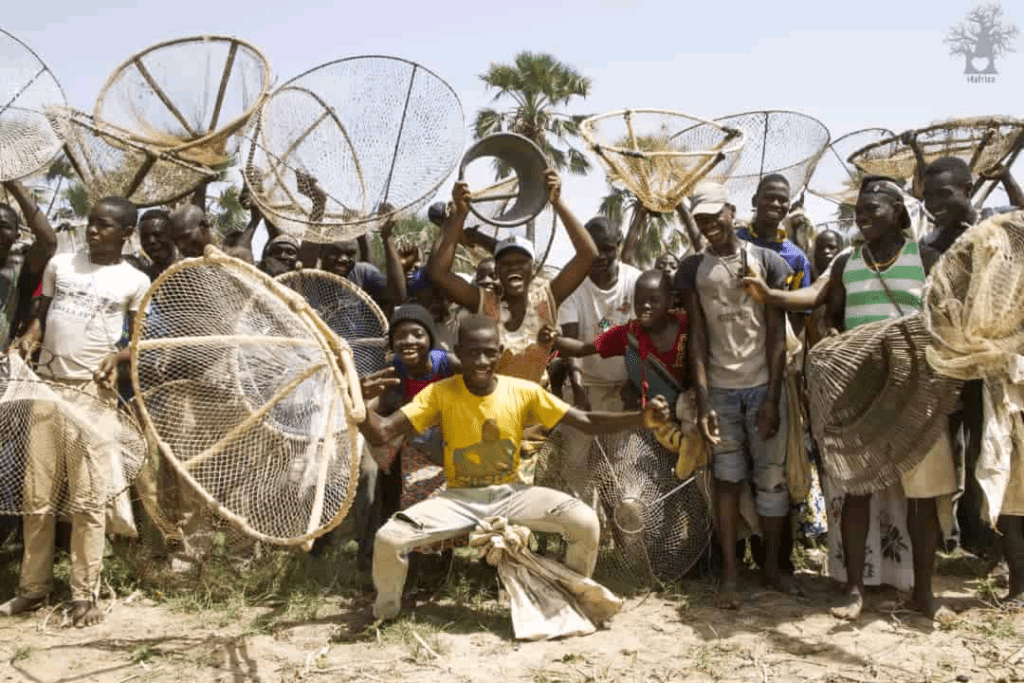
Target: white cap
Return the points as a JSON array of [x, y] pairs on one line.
[[514, 242]]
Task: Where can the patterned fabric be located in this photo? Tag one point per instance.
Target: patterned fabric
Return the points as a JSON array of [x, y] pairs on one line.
[[523, 356], [873, 296]]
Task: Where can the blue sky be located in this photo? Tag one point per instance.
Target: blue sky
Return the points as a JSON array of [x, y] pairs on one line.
[[851, 65]]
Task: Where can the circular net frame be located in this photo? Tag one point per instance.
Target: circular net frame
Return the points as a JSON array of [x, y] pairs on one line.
[[545, 223], [982, 142], [27, 88], [190, 96], [250, 397], [659, 155], [111, 163], [973, 302], [63, 450], [654, 527], [348, 311], [783, 142], [328, 147], [835, 178], [876, 405]]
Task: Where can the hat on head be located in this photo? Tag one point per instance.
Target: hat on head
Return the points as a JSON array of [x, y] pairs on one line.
[[514, 242], [280, 239], [412, 313], [708, 198], [877, 184]]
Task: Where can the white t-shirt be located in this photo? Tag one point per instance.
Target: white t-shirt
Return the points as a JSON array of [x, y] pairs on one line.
[[596, 311], [87, 315]]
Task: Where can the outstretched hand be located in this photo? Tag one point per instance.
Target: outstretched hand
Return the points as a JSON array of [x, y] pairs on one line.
[[755, 285], [375, 384], [657, 412], [997, 172]]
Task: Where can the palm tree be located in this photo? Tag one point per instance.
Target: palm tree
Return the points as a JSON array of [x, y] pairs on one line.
[[649, 233], [75, 198], [539, 87]]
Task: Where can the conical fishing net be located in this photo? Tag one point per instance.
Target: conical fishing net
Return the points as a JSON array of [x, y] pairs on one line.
[[660, 155], [876, 405], [973, 303], [189, 96], [110, 163], [654, 527], [27, 89], [835, 178], [251, 399], [981, 142], [348, 311], [63, 449], [327, 148], [783, 142]]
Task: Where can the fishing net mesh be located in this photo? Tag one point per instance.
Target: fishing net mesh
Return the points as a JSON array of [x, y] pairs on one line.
[[326, 149], [782, 142], [858, 382], [659, 155], [981, 142], [27, 88], [191, 96], [64, 449], [654, 527], [835, 178], [348, 311], [973, 302], [110, 163], [251, 399]]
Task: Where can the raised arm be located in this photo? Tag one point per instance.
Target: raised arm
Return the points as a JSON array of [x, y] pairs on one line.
[[790, 300], [1000, 173], [576, 270], [696, 240], [439, 266], [574, 348], [45, 243], [396, 288]]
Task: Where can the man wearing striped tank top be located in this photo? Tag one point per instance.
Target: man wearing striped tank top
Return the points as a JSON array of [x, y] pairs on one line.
[[880, 279]]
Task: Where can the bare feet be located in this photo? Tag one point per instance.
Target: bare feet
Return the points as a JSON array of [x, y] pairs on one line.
[[18, 605], [777, 582], [930, 608], [85, 613], [728, 597], [853, 607]]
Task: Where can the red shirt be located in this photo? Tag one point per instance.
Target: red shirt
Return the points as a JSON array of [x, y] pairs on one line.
[[615, 341]]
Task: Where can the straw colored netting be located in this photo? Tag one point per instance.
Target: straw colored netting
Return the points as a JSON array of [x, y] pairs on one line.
[[251, 398], [654, 527], [660, 155], [190, 96], [877, 407], [110, 163], [64, 450], [783, 142], [27, 89], [327, 148], [981, 142], [973, 306], [348, 311], [835, 178]]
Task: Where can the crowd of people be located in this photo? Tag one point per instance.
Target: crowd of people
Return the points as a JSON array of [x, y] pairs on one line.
[[485, 366]]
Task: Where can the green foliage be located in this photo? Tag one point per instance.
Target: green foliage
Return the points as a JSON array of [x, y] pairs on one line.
[[654, 232], [227, 211]]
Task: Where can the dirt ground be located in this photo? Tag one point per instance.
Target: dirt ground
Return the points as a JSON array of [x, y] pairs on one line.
[[301, 619]]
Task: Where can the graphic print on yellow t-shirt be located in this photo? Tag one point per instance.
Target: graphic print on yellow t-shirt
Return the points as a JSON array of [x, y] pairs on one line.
[[482, 433]]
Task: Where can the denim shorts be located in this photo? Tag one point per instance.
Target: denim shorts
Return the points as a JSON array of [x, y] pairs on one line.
[[742, 455]]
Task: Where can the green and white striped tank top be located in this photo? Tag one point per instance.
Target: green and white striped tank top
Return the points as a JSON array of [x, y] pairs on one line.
[[866, 298]]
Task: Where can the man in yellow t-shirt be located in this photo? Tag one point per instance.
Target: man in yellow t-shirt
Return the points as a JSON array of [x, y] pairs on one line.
[[482, 415]]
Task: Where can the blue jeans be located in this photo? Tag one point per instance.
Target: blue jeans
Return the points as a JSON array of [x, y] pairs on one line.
[[742, 455]]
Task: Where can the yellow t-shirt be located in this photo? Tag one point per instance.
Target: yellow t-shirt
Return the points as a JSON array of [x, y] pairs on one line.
[[482, 433]]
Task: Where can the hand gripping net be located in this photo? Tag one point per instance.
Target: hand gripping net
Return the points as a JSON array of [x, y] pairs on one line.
[[327, 148], [783, 142], [189, 96], [251, 398], [659, 155], [877, 407], [347, 311], [63, 450], [835, 178], [27, 88], [982, 142], [654, 527], [111, 163]]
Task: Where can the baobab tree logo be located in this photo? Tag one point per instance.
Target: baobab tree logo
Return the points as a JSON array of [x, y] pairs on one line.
[[983, 36]]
